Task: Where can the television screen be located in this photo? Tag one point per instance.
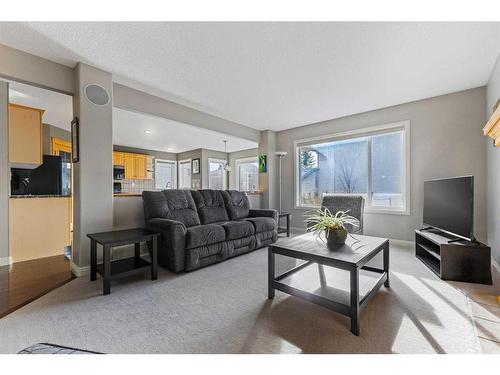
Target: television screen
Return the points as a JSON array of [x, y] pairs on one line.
[[449, 205]]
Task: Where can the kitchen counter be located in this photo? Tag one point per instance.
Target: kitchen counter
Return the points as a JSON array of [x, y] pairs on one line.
[[40, 196]]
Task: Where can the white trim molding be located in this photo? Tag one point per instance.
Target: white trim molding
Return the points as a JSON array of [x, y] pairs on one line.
[[380, 129], [165, 161], [7, 261], [79, 271]]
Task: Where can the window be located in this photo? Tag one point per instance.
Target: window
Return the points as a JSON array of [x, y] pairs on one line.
[[247, 174], [165, 174], [216, 174], [372, 162], [185, 174]]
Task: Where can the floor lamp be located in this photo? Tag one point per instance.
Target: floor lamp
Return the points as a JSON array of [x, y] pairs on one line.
[[280, 155]]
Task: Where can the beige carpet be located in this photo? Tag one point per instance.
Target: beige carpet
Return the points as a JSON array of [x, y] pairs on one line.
[[224, 309]]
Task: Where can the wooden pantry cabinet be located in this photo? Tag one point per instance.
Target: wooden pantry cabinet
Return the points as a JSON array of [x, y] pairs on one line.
[[137, 166], [25, 135]]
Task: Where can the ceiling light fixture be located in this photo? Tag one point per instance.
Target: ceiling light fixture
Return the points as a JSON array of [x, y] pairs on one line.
[[227, 168], [147, 131]]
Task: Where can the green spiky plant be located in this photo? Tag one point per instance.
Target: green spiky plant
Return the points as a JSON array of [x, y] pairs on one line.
[[323, 221]]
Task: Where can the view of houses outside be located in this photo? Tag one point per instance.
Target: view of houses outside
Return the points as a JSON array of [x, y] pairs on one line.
[[342, 167]]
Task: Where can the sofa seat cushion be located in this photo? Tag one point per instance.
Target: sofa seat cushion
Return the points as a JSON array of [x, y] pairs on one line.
[[262, 224], [237, 229], [203, 235]]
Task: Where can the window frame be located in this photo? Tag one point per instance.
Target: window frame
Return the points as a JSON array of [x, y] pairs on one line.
[[174, 163], [185, 161], [358, 133], [224, 173], [246, 160]]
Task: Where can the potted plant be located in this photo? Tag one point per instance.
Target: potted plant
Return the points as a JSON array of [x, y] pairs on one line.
[[332, 225]]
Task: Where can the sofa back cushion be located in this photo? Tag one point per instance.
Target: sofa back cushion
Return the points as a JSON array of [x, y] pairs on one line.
[[171, 204], [237, 204], [210, 206]]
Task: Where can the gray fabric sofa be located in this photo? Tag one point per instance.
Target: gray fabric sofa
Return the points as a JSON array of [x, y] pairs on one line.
[[202, 227]]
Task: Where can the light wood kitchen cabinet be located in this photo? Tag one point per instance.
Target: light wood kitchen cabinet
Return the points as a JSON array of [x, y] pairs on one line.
[[118, 158], [137, 166], [140, 167], [129, 164], [25, 135]]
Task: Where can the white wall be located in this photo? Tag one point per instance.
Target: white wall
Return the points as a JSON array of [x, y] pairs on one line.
[[493, 163], [446, 140]]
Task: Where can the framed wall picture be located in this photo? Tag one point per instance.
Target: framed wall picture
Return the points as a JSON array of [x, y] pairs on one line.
[[75, 140], [262, 163], [195, 166]]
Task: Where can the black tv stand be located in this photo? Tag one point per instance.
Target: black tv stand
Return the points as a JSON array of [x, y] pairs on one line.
[[453, 259]]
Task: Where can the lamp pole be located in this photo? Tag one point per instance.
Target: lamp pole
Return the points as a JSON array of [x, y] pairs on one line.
[[280, 155]]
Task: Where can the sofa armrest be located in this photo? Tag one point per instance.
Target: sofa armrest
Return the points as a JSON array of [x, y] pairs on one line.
[[171, 252], [264, 213]]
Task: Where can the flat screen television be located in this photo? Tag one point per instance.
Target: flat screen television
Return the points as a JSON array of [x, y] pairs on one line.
[[449, 205]]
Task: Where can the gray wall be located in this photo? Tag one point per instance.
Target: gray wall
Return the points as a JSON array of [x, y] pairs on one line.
[[24, 67], [446, 140], [493, 163], [4, 172], [268, 181], [51, 131], [139, 101], [93, 174]]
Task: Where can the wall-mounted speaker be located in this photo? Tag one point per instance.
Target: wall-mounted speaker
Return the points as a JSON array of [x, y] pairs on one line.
[[96, 95]]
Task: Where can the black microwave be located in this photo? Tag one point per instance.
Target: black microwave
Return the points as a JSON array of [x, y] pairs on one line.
[[118, 172]]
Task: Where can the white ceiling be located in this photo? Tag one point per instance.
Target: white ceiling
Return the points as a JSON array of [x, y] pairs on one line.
[[58, 107], [275, 75], [167, 135]]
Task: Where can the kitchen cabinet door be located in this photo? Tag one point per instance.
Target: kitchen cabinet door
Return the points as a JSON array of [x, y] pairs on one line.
[[129, 164], [25, 135], [140, 167], [118, 158]]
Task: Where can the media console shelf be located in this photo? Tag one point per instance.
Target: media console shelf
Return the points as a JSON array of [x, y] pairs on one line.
[[458, 261]]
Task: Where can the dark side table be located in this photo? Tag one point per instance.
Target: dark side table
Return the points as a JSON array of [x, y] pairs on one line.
[[285, 229], [110, 270]]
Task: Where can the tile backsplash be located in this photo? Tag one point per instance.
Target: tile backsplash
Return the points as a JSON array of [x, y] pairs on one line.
[[137, 186]]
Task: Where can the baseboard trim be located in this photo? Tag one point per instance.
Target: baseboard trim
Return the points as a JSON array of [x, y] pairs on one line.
[[7, 261], [79, 271]]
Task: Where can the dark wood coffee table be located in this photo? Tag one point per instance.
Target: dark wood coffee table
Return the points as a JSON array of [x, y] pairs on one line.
[[346, 292]]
